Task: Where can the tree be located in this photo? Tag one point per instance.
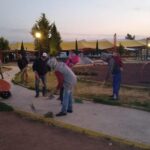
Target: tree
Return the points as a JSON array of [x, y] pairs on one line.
[[121, 50], [55, 41], [44, 28], [22, 50], [97, 49], [76, 48], [130, 37], [4, 44], [22, 46]]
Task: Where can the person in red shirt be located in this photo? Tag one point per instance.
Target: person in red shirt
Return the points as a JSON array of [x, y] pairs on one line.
[[71, 61], [59, 86], [116, 67]]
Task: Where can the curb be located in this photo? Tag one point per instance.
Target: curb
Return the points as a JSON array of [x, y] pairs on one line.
[[53, 122]]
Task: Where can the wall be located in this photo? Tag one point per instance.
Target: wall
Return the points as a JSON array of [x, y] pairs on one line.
[[133, 74]]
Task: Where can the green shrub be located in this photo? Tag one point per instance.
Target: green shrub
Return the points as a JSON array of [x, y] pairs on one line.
[[105, 100], [4, 107]]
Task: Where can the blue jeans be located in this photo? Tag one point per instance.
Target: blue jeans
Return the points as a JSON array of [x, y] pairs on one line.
[[67, 101], [116, 84], [37, 83]]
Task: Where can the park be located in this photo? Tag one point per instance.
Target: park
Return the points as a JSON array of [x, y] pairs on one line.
[[97, 121]]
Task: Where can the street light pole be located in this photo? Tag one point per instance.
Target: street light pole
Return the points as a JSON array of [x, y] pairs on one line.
[[147, 48]]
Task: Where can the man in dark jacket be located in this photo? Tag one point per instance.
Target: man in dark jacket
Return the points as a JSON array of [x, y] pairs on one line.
[[40, 69]]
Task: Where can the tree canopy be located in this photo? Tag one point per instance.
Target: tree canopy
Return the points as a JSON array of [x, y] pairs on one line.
[[130, 37], [55, 40], [22, 50], [49, 39], [43, 27], [4, 44], [76, 48], [121, 49]]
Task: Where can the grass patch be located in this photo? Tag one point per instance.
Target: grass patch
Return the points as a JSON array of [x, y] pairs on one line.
[[4, 107], [103, 99], [141, 105], [17, 78], [97, 92], [78, 100], [133, 104]]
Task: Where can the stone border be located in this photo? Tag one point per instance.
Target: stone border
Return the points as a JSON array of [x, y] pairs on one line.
[[53, 122]]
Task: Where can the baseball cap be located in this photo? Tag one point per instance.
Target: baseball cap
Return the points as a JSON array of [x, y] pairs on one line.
[[52, 62], [44, 54]]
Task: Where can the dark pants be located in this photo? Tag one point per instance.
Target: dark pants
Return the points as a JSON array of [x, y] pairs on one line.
[[37, 83], [61, 94], [116, 84]]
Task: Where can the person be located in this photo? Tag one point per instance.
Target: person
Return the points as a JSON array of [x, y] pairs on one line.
[[23, 66], [1, 73], [72, 59], [69, 81], [116, 67], [40, 69], [106, 57]]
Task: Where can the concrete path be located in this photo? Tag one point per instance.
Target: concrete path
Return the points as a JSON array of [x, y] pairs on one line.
[[126, 123]]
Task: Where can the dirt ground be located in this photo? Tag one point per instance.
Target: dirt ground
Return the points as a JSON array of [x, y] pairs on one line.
[[18, 133]]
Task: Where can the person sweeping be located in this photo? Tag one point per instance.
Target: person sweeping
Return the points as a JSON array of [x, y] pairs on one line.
[[69, 82]]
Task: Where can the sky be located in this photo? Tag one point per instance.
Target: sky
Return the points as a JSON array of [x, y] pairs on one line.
[[76, 19]]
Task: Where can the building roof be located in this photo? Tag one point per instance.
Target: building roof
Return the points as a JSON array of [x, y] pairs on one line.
[[27, 46], [83, 44], [103, 44], [130, 43]]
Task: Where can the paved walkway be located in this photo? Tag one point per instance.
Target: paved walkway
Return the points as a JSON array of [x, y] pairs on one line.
[[126, 123]]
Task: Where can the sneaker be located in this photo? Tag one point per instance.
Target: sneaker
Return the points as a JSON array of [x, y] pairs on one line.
[[114, 98], [69, 111], [61, 114]]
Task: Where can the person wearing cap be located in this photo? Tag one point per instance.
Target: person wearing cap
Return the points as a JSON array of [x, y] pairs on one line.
[[69, 81], [116, 69], [40, 69], [70, 62]]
